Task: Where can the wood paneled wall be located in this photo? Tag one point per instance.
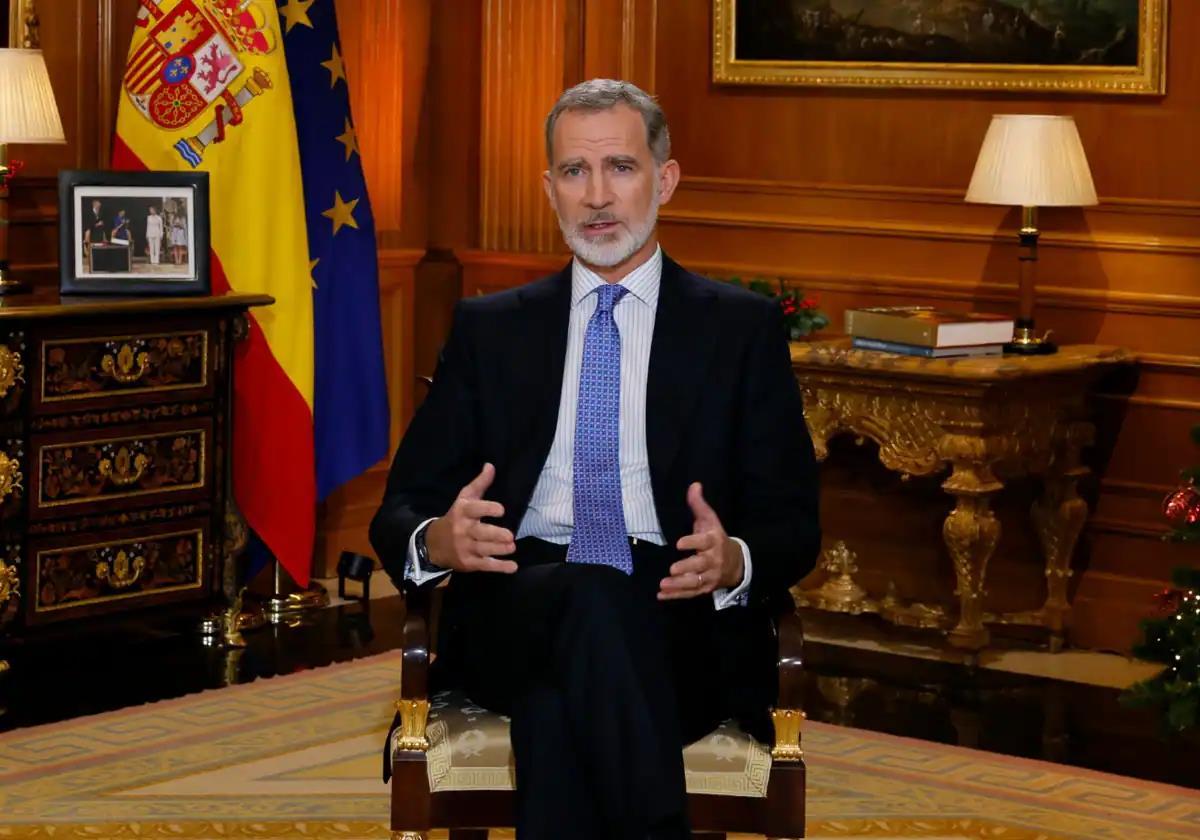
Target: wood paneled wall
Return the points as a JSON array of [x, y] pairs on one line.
[[857, 196], [514, 213], [854, 195]]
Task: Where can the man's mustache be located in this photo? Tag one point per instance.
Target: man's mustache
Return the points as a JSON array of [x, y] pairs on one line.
[[598, 218]]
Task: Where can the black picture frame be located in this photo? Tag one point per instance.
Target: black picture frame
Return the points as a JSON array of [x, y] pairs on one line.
[[130, 263]]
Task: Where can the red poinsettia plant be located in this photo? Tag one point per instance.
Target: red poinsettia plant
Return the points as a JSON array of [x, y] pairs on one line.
[[801, 313], [9, 171]]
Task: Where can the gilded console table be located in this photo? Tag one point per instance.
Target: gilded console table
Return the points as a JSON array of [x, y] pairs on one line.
[[115, 419], [982, 420]]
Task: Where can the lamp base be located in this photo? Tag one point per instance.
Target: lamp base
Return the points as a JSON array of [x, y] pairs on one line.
[[8, 284], [1025, 343]]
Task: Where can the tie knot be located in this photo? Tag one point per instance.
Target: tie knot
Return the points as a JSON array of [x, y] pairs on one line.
[[609, 295]]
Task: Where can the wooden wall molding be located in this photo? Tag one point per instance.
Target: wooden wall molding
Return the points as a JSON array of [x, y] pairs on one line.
[[1169, 363], [512, 259], [923, 195], [1134, 489], [1142, 530], [1162, 403], [400, 257], [935, 232]]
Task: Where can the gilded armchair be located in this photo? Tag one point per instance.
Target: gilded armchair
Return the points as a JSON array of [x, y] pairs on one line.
[[450, 762]]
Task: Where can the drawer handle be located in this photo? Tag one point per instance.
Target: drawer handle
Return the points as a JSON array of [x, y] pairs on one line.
[[10, 476], [121, 366], [12, 370], [124, 468], [122, 571], [10, 583]]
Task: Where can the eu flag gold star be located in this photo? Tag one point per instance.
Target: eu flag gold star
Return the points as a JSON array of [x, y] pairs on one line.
[[296, 12], [334, 66], [349, 139], [311, 265], [342, 212]]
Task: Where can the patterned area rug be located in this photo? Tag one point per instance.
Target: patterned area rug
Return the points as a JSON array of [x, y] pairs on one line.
[[298, 757]]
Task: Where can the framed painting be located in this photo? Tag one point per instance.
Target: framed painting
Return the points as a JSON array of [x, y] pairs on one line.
[[19, 24], [1044, 46]]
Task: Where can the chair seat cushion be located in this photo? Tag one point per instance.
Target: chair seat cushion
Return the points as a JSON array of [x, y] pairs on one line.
[[470, 750]]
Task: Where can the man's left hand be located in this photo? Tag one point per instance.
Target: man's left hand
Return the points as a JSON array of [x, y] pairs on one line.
[[717, 562]]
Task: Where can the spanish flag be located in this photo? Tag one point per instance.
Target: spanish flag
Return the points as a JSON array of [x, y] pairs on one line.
[[206, 87]]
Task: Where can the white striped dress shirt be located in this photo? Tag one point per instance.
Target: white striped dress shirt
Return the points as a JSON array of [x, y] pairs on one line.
[[551, 512]]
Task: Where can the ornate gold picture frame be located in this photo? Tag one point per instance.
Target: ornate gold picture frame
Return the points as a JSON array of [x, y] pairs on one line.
[[1045, 46], [20, 20]]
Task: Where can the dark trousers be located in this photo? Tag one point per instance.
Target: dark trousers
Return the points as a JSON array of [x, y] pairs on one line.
[[604, 685]]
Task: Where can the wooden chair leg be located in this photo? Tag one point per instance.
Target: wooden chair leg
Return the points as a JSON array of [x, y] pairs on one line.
[[785, 800], [468, 834]]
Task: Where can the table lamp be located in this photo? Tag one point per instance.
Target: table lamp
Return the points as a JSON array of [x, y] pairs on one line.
[[1031, 161], [28, 114]]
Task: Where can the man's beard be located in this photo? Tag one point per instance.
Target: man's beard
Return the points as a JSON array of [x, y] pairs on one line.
[[620, 245]]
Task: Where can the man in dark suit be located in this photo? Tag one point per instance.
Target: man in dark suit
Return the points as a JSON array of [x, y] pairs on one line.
[[95, 229], [614, 463]]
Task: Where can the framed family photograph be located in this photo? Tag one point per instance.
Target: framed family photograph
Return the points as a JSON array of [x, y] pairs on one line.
[[1046, 46], [133, 233]]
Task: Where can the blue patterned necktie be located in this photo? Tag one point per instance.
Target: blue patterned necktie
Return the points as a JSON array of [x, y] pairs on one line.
[[600, 535]]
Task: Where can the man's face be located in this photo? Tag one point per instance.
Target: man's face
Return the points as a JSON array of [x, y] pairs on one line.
[[604, 185]]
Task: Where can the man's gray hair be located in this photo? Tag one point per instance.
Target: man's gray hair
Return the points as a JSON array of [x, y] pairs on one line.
[[603, 94]]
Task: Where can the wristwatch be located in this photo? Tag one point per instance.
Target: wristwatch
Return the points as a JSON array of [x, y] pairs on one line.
[[422, 551]]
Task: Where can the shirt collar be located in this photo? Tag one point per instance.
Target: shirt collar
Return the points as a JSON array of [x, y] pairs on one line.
[[643, 282]]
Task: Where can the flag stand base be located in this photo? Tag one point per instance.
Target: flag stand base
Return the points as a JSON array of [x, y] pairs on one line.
[[283, 607]]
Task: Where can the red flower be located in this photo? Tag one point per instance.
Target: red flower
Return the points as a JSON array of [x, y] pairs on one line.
[[7, 174]]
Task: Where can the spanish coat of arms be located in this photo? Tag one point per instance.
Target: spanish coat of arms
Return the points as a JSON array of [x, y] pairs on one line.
[[193, 60]]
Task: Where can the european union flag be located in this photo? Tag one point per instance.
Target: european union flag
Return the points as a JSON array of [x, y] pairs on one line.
[[350, 411]]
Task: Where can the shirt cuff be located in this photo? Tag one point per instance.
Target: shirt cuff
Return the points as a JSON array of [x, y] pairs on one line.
[[740, 595], [413, 571]]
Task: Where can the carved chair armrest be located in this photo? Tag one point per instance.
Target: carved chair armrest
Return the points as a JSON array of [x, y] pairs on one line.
[[417, 642], [787, 716], [791, 661], [412, 709]]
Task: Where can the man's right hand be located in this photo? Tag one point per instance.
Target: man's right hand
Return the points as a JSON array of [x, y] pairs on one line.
[[462, 542]]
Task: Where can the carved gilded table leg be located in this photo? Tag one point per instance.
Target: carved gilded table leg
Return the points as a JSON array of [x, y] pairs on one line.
[[1058, 517], [971, 531]]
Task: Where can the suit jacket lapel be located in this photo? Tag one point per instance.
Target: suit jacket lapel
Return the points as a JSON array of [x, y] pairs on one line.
[[541, 349], [685, 340]]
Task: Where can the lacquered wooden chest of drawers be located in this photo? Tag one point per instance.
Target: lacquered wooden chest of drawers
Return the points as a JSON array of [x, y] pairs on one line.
[[114, 454]]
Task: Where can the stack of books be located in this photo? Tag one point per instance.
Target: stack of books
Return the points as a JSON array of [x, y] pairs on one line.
[[928, 331]]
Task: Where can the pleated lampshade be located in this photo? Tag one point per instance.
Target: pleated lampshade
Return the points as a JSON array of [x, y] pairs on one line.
[[1032, 161], [28, 112]]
